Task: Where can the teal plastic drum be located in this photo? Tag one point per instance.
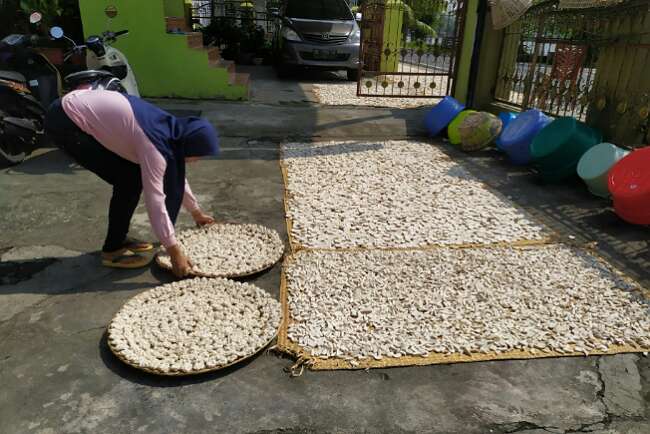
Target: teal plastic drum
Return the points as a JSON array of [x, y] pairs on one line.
[[557, 149], [595, 164]]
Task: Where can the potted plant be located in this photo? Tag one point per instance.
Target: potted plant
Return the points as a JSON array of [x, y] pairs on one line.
[[252, 45]]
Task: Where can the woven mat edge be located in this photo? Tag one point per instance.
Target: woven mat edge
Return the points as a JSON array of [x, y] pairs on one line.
[[285, 345], [316, 364]]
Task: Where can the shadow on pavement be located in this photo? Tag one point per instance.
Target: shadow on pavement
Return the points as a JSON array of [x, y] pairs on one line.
[[75, 274], [568, 208], [46, 161]]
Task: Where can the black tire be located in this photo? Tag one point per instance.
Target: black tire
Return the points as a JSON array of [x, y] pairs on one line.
[[11, 151], [353, 74]]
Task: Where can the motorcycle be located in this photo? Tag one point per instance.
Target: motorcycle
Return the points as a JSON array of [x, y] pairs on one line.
[[105, 78], [101, 56], [29, 83]]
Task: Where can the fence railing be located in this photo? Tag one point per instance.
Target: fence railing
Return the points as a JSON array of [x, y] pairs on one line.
[[580, 63], [205, 12]]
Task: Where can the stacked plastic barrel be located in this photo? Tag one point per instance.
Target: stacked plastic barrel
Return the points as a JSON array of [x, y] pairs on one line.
[[557, 149]]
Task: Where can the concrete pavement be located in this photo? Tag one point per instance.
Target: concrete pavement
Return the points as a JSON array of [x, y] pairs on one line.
[[57, 375]]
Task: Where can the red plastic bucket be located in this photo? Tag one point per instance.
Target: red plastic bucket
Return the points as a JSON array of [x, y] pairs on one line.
[[629, 184]]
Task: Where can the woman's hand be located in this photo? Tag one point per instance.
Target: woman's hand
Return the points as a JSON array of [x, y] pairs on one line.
[[181, 264], [202, 219]]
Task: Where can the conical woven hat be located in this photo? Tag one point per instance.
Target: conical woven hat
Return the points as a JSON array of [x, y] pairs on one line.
[[506, 12]]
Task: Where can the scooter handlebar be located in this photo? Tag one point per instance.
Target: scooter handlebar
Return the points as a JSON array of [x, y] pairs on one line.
[[111, 36], [76, 50]]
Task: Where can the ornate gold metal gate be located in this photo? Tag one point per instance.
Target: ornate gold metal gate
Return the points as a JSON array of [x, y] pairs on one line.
[[409, 48]]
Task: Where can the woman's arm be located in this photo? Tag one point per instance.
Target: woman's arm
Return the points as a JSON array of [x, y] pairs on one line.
[[189, 200], [152, 167], [192, 206]]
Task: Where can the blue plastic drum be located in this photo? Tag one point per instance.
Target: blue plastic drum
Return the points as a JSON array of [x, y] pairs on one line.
[[506, 118], [441, 115], [518, 135]]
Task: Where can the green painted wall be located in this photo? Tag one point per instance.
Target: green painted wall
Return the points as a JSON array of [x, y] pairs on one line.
[[163, 63], [465, 60], [174, 8]]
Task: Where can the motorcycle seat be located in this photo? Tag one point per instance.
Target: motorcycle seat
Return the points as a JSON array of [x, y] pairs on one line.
[[13, 76], [87, 76]]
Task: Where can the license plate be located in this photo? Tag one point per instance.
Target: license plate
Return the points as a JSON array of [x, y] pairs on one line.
[[324, 54]]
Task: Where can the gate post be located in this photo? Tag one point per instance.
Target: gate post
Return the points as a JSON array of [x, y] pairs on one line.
[[393, 24], [466, 52]]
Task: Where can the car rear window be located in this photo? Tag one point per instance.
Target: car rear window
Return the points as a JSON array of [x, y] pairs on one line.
[[318, 10]]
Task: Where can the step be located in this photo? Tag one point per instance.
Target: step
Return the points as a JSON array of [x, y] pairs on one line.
[[214, 55], [228, 65], [177, 25], [240, 78], [195, 40]]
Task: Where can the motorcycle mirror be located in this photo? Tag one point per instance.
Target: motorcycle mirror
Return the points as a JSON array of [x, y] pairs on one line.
[[35, 17], [358, 16], [56, 32]]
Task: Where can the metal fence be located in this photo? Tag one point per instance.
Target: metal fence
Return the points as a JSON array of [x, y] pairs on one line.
[[560, 61], [205, 12], [410, 51]]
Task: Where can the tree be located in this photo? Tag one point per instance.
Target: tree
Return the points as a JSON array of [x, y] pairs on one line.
[[50, 9], [422, 17]]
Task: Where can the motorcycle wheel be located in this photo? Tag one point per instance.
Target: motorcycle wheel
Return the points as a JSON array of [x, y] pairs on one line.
[[11, 153]]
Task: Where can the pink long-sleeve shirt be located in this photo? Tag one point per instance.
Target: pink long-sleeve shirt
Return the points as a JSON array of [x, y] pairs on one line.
[[109, 118]]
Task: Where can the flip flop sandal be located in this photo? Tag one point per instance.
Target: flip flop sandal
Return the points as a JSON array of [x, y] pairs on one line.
[[125, 259], [137, 246]]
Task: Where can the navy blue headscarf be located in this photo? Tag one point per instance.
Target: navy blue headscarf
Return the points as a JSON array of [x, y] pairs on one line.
[[175, 138]]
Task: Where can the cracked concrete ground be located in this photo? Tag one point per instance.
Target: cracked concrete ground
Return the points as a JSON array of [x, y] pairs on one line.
[[57, 375]]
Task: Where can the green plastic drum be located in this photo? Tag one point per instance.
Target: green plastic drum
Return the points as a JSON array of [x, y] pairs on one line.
[[557, 149], [479, 130], [594, 167], [452, 129]]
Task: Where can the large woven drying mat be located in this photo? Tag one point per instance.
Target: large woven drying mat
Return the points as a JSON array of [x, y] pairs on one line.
[[194, 326], [228, 250], [380, 308], [398, 194]]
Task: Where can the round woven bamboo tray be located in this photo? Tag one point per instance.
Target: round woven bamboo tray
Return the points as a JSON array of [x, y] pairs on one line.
[[136, 346], [182, 374], [268, 258]]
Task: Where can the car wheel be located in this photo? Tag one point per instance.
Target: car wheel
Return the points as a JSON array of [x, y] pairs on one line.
[[353, 74]]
